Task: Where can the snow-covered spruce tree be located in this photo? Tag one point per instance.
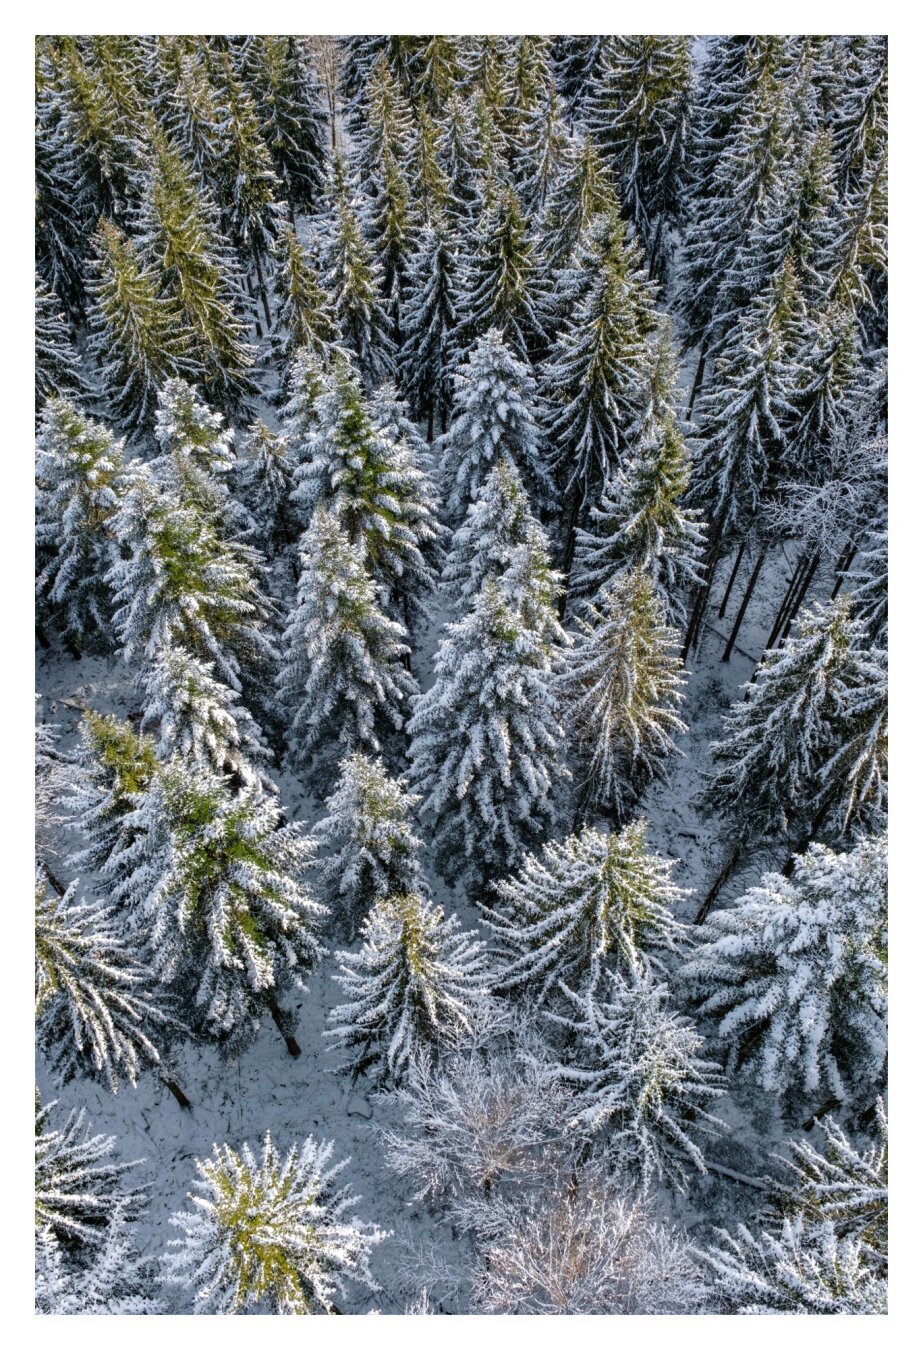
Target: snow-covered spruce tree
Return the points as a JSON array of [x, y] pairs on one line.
[[197, 457], [595, 379], [593, 902], [179, 583], [57, 365], [280, 75], [359, 466], [794, 975], [181, 236], [487, 736], [304, 316], [500, 541], [110, 1281], [640, 1080], [429, 321], [622, 687], [60, 235], [96, 1007], [843, 1185], [343, 666], [493, 420], [544, 149], [584, 188], [642, 522], [868, 579], [808, 744], [52, 772], [477, 1124], [139, 337], [309, 377], [373, 849], [580, 1245], [79, 1191], [393, 226], [272, 1233], [416, 979], [504, 287], [79, 488], [806, 1269], [198, 719], [353, 280], [264, 478], [232, 924], [638, 112]]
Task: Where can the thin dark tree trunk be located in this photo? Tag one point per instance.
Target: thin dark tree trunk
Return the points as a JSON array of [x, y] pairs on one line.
[[699, 376], [261, 283], [782, 615], [176, 1091], [829, 1105], [700, 604], [655, 249], [72, 647], [43, 640], [842, 567], [256, 318], [744, 605], [277, 1015], [53, 879], [733, 577], [799, 599], [718, 883], [430, 419]]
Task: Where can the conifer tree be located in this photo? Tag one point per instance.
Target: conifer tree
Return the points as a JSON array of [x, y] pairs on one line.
[[178, 583], [60, 237], [231, 923], [860, 128], [353, 280], [96, 1006], [638, 112], [373, 847], [806, 1269], [459, 156], [594, 902], [57, 365], [292, 123], [138, 333], [416, 980], [869, 578], [429, 323], [308, 378], [188, 104], [639, 1076], [79, 488], [79, 1191], [109, 1283], [181, 237], [493, 421], [342, 664], [823, 394], [808, 745], [794, 974], [503, 285], [487, 735], [304, 318], [623, 685], [439, 72], [197, 458], [857, 263], [544, 148], [264, 480], [198, 719], [273, 1234], [430, 186], [393, 229], [583, 190]]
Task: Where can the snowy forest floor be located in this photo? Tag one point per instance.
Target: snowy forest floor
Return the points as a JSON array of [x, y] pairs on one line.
[[265, 1089]]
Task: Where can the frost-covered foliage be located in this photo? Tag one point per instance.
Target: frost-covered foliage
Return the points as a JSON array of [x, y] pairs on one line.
[[57, 372], [582, 1245], [179, 583], [231, 922], [482, 1121], [273, 1233], [96, 1006], [623, 685], [416, 979], [844, 1185], [869, 579], [343, 672], [264, 481], [51, 773], [109, 1281], [794, 974], [636, 1068], [199, 719], [487, 734], [493, 421], [805, 1269], [78, 491], [593, 902], [808, 746], [373, 848], [79, 1191], [197, 456]]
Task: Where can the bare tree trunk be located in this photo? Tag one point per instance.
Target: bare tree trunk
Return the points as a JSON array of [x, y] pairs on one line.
[[256, 318], [744, 605], [699, 376], [291, 1045], [261, 282], [733, 577], [699, 606], [718, 884], [176, 1091], [43, 639], [782, 615], [430, 418], [799, 599], [570, 538], [843, 564]]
